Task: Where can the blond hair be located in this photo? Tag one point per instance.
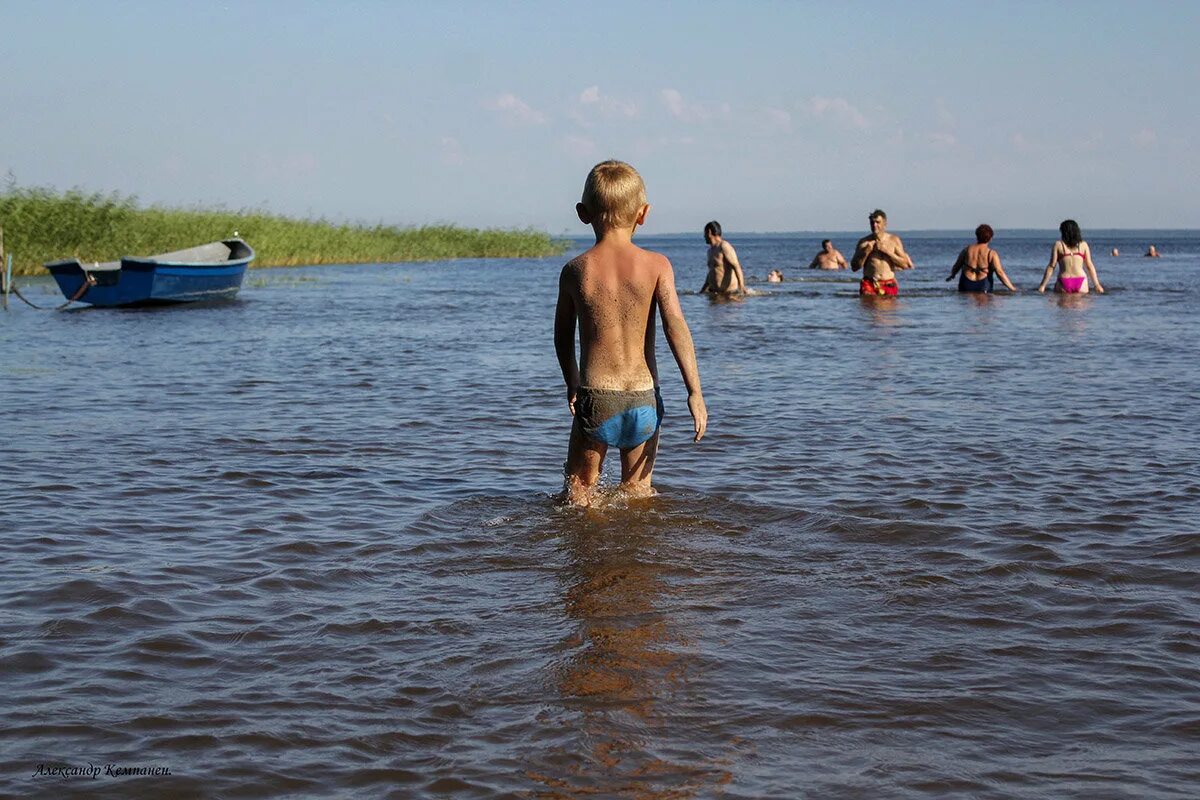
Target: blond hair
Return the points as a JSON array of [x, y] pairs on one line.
[[613, 193]]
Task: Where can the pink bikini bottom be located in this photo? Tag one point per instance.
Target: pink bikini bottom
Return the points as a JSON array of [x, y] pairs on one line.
[[1072, 285]]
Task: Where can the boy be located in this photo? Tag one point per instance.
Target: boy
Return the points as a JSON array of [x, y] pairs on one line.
[[613, 290], [725, 274]]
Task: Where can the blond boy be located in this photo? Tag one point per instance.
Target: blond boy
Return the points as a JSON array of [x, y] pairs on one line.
[[613, 290]]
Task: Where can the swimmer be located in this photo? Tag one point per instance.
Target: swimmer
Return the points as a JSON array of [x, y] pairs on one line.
[[774, 276], [1152, 252], [613, 291], [829, 258], [877, 255], [979, 263], [1073, 258], [1115, 252], [724, 272]]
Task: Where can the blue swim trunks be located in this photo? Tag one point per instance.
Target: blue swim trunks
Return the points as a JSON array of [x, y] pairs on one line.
[[618, 418]]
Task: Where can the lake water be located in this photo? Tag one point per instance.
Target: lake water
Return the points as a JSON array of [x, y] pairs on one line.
[[303, 543]]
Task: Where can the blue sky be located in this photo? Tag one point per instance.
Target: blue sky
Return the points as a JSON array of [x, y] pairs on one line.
[[768, 116]]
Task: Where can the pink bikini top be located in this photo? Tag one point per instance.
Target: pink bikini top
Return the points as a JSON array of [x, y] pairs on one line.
[[1077, 253]]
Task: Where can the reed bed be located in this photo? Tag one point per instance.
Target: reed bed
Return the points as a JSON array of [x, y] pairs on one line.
[[43, 225]]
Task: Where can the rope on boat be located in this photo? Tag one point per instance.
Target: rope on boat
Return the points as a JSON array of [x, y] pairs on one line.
[[89, 281]]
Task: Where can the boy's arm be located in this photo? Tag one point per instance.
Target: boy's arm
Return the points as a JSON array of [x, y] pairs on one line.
[[679, 338], [564, 336], [841, 260]]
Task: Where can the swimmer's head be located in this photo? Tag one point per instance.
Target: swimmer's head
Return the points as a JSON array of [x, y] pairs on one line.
[[878, 220], [984, 233], [826, 245], [1069, 230], [613, 196], [712, 232]]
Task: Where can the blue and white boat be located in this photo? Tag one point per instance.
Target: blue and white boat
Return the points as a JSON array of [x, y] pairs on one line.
[[211, 271]]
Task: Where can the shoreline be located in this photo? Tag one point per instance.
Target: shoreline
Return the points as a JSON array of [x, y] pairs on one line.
[[42, 225]]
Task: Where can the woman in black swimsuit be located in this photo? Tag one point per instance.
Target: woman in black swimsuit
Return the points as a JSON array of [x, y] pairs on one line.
[[978, 264]]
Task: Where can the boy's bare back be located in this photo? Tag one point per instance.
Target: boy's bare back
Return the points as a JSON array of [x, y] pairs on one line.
[[614, 287]]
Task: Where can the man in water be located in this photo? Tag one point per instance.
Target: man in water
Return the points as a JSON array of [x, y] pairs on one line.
[[1152, 252], [877, 256], [612, 291], [829, 258], [724, 272]]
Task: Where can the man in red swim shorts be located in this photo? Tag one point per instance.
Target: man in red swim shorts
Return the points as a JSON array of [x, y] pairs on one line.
[[877, 255]]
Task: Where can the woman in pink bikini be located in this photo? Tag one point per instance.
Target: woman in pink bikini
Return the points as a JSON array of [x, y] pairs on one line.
[[1073, 258]]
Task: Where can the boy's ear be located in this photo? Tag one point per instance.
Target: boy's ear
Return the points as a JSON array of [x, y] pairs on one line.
[[584, 216], [641, 215]]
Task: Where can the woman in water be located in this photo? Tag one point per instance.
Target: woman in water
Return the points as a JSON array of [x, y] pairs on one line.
[[978, 264], [1073, 258]]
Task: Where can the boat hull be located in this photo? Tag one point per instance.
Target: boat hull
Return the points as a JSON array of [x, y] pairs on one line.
[[155, 280]]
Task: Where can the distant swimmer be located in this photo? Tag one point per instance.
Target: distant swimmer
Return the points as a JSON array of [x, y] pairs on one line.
[[829, 258], [1073, 258], [1152, 252], [978, 263], [1115, 252], [612, 291], [877, 255], [724, 272], [774, 276]]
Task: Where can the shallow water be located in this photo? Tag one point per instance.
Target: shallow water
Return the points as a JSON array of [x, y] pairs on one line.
[[302, 544]]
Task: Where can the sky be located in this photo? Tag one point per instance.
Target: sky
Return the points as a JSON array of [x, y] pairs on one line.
[[767, 116]]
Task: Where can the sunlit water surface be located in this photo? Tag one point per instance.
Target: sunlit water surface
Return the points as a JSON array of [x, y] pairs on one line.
[[303, 544]]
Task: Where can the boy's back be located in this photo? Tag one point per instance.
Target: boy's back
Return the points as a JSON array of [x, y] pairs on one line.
[[612, 292]]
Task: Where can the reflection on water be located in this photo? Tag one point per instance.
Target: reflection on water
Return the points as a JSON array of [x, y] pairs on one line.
[[623, 676]]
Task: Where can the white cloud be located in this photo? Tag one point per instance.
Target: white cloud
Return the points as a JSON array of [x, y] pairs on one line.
[[679, 108], [778, 120], [838, 110], [1145, 138], [515, 110], [605, 105], [580, 146], [944, 139]]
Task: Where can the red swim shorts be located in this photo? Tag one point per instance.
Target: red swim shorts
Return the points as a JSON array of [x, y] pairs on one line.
[[888, 288]]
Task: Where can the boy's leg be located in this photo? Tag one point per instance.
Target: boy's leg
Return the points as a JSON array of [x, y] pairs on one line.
[[582, 470], [637, 466]]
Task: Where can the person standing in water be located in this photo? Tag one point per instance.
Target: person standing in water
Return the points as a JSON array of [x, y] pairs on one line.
[[724, 272], [877, 256], [613, 291], [829, 258], [978, 263], [1073, 258]]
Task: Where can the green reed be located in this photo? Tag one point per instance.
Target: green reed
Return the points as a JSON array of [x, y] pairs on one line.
[[44, 225]]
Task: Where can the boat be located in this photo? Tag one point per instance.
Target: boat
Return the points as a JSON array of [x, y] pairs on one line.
[[212, 271]]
